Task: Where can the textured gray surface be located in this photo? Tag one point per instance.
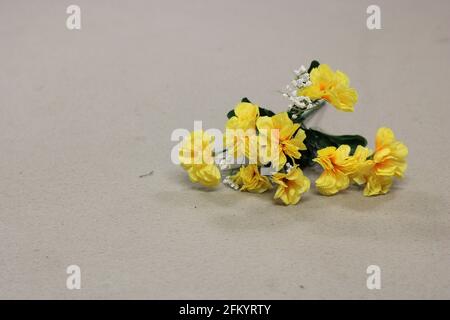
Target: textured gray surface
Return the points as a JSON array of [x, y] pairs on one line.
[[84, 113]]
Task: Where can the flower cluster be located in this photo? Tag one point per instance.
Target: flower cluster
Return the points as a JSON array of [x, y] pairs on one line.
[[374, 169], [274, 148]]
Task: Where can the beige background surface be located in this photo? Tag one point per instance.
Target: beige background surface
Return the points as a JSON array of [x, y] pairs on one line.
[[84, 113]]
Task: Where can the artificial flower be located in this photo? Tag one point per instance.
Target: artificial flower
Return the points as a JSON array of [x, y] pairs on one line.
[[337, 165], [363, 165], [196, 157], [291, 185], [250, 179], [390, 154], [207, 175], [332, 87], [277, 139], [245, 117], [377, 185], [389, 160], [240, 136], [253, 141]]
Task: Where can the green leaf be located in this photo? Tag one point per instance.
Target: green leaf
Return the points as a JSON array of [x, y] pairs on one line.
[[262, 111], [265, 112], [314, 64], [352, 140], [230, 114]]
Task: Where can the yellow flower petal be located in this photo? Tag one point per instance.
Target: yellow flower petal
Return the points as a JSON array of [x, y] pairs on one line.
[[377, 185]]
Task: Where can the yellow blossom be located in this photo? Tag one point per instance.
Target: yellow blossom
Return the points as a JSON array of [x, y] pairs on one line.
[[389, 160], [390, 154], [196, 157], [363, 165], [277, 140], [245, 117], [331, 86], [240, 136], [291, 185], [377, 185], [337, 166], [250, 179]]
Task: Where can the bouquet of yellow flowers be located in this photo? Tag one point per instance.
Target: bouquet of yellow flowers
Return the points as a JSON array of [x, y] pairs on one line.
[[262, 150]]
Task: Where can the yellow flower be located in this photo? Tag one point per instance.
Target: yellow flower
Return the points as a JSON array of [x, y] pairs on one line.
[[245, 117], [331, 86], [390, 155], [277, 140], [196, 157], [377, 185], [363, 165], [250, 179], [389, 160], [337, 165], [291, 185], [241, 129]]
